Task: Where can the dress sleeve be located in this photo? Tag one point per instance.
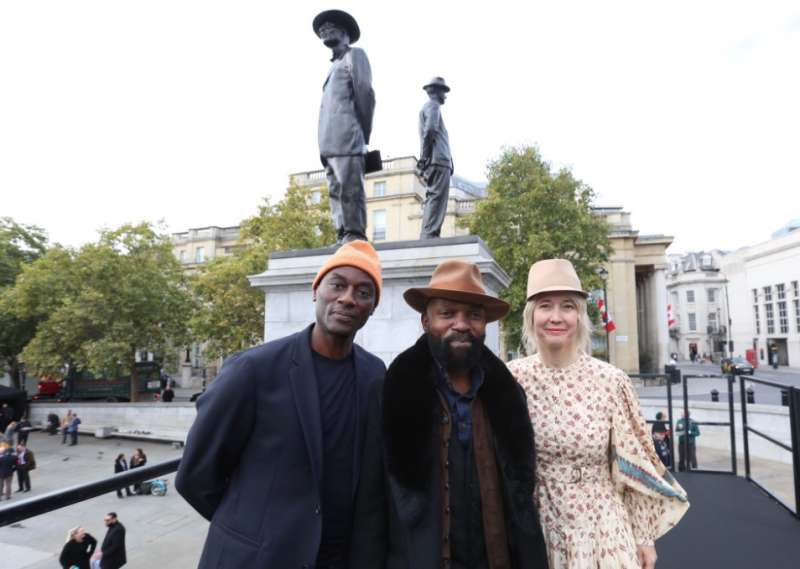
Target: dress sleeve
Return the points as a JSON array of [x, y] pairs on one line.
[[654, 499]]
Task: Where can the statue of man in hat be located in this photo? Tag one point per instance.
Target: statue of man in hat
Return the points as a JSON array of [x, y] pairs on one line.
[[345, 122], [435, 164]]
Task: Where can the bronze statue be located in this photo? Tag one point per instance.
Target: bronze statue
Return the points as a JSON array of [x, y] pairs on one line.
[[435, 165], [345, 122]]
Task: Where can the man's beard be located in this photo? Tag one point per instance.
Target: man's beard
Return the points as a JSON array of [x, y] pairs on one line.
[[456, 359]]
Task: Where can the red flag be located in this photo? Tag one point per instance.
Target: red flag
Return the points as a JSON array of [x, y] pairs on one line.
[[670, 316], [608, 322]]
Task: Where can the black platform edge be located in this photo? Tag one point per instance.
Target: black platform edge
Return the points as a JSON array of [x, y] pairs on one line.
[[386, 246]]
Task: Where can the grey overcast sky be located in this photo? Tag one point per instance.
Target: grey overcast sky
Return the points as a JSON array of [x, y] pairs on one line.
[[686, 113]]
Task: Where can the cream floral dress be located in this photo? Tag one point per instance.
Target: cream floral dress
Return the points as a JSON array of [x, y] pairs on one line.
[[601, 488]]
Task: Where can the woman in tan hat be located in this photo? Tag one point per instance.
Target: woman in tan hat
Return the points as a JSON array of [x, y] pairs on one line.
[[603, 495]]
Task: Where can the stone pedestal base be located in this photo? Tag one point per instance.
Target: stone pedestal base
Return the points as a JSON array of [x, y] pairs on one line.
[[394, 326]]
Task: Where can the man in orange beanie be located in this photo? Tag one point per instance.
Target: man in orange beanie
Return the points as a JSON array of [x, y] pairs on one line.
[[274, 455]]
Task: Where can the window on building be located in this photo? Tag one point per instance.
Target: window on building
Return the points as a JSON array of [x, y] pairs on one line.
[[182, 255], [692, 322], [379, 189], [690, 296], [316, 196], [767, 294], [796, 289], [780, 291], [755, 295], [712, 322], [706, 261], [758, 321], [199, 255], [770, 313], [379, 225], [796, 302], [675, 297], [783, 317], [711, 294]]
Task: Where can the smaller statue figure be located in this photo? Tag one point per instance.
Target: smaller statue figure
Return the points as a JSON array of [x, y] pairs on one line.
[[435, 165]]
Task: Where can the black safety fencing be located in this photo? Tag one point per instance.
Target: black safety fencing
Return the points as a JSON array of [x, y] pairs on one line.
[[792, 397], [31, 507]]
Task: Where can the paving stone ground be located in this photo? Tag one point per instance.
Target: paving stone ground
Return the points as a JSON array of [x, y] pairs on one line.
[[161, 531]]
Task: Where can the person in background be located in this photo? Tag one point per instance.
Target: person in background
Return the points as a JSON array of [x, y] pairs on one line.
[[65, 423], [661, 439], [684, 445], [112, 552], [78, 549], [10, 433], [73, 429], [23, 430], [169, 394], [138, 459], [25, 463], [52, 424], [121, 465], [8, 463]]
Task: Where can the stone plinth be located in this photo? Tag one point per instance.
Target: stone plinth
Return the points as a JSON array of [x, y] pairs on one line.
[[394, 326]]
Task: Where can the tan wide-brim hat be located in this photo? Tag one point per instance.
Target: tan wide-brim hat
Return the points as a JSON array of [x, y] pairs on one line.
[[461, 282], [553, 275]]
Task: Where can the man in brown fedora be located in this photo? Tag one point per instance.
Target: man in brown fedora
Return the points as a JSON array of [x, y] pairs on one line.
[[447, 474], [435, 164], [345, 122]]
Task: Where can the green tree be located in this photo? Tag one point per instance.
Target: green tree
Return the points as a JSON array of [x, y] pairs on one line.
[[97, 306], [231, 312], [534, 213], [19, 245]]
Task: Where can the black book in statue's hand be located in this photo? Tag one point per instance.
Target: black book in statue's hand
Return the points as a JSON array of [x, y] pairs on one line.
[[373, 162]]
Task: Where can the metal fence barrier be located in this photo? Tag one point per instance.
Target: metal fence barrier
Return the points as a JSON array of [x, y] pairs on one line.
[[31, 507], [793, 448]]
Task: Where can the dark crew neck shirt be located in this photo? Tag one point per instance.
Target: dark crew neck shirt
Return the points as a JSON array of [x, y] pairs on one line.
[[336, 383]]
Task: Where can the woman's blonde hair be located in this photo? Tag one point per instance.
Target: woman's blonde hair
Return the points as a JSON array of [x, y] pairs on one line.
[[72, 532], [583, 338]]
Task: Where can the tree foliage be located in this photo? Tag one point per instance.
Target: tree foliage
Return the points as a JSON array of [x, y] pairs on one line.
[[98, 305], [231, 312], [19, 245], [534, 213]]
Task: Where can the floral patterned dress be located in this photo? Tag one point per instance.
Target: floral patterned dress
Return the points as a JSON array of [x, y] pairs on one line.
[[601, 488]]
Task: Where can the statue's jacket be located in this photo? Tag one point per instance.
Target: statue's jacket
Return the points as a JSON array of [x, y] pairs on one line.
[[434, 140], [348, 104]]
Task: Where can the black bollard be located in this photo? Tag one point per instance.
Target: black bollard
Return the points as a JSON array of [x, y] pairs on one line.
[[715, 396], [785, 397], [751, 395]]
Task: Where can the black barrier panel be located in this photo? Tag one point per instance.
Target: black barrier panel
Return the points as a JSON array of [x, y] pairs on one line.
[[686, 453], [793, 447]]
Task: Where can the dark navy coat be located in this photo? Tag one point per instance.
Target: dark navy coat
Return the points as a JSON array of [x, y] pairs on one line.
[[253, 459]]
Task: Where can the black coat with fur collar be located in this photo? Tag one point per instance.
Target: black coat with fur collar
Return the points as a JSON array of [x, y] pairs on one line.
[[397, 521]]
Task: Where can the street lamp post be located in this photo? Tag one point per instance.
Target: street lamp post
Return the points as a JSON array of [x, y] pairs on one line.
[[603, 274]]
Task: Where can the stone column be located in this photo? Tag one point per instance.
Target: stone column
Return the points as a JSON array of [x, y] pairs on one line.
[[659, 306]]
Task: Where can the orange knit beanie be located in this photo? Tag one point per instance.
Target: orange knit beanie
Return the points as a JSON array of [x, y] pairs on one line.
[[358, 254]]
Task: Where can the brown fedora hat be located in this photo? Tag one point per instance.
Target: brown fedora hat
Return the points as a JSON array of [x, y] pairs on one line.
[[553, 275], [458, 281]]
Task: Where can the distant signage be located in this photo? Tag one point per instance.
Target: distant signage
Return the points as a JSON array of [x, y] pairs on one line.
[[622, 339]]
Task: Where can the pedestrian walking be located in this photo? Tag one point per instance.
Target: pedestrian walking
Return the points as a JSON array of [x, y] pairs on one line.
[[10, 434], [65, 426], [121, 465], [8, 463], [26, 462], [78, 549]]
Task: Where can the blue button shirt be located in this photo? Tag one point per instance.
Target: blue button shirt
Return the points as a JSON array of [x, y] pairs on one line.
[[460, 403]]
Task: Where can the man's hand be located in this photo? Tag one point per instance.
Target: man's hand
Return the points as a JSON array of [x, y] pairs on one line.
[[646, 555]]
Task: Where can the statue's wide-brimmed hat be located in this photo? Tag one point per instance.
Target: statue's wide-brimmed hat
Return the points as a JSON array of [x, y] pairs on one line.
[[458, 281], [437, 83], [340, 18], [553, 275]]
